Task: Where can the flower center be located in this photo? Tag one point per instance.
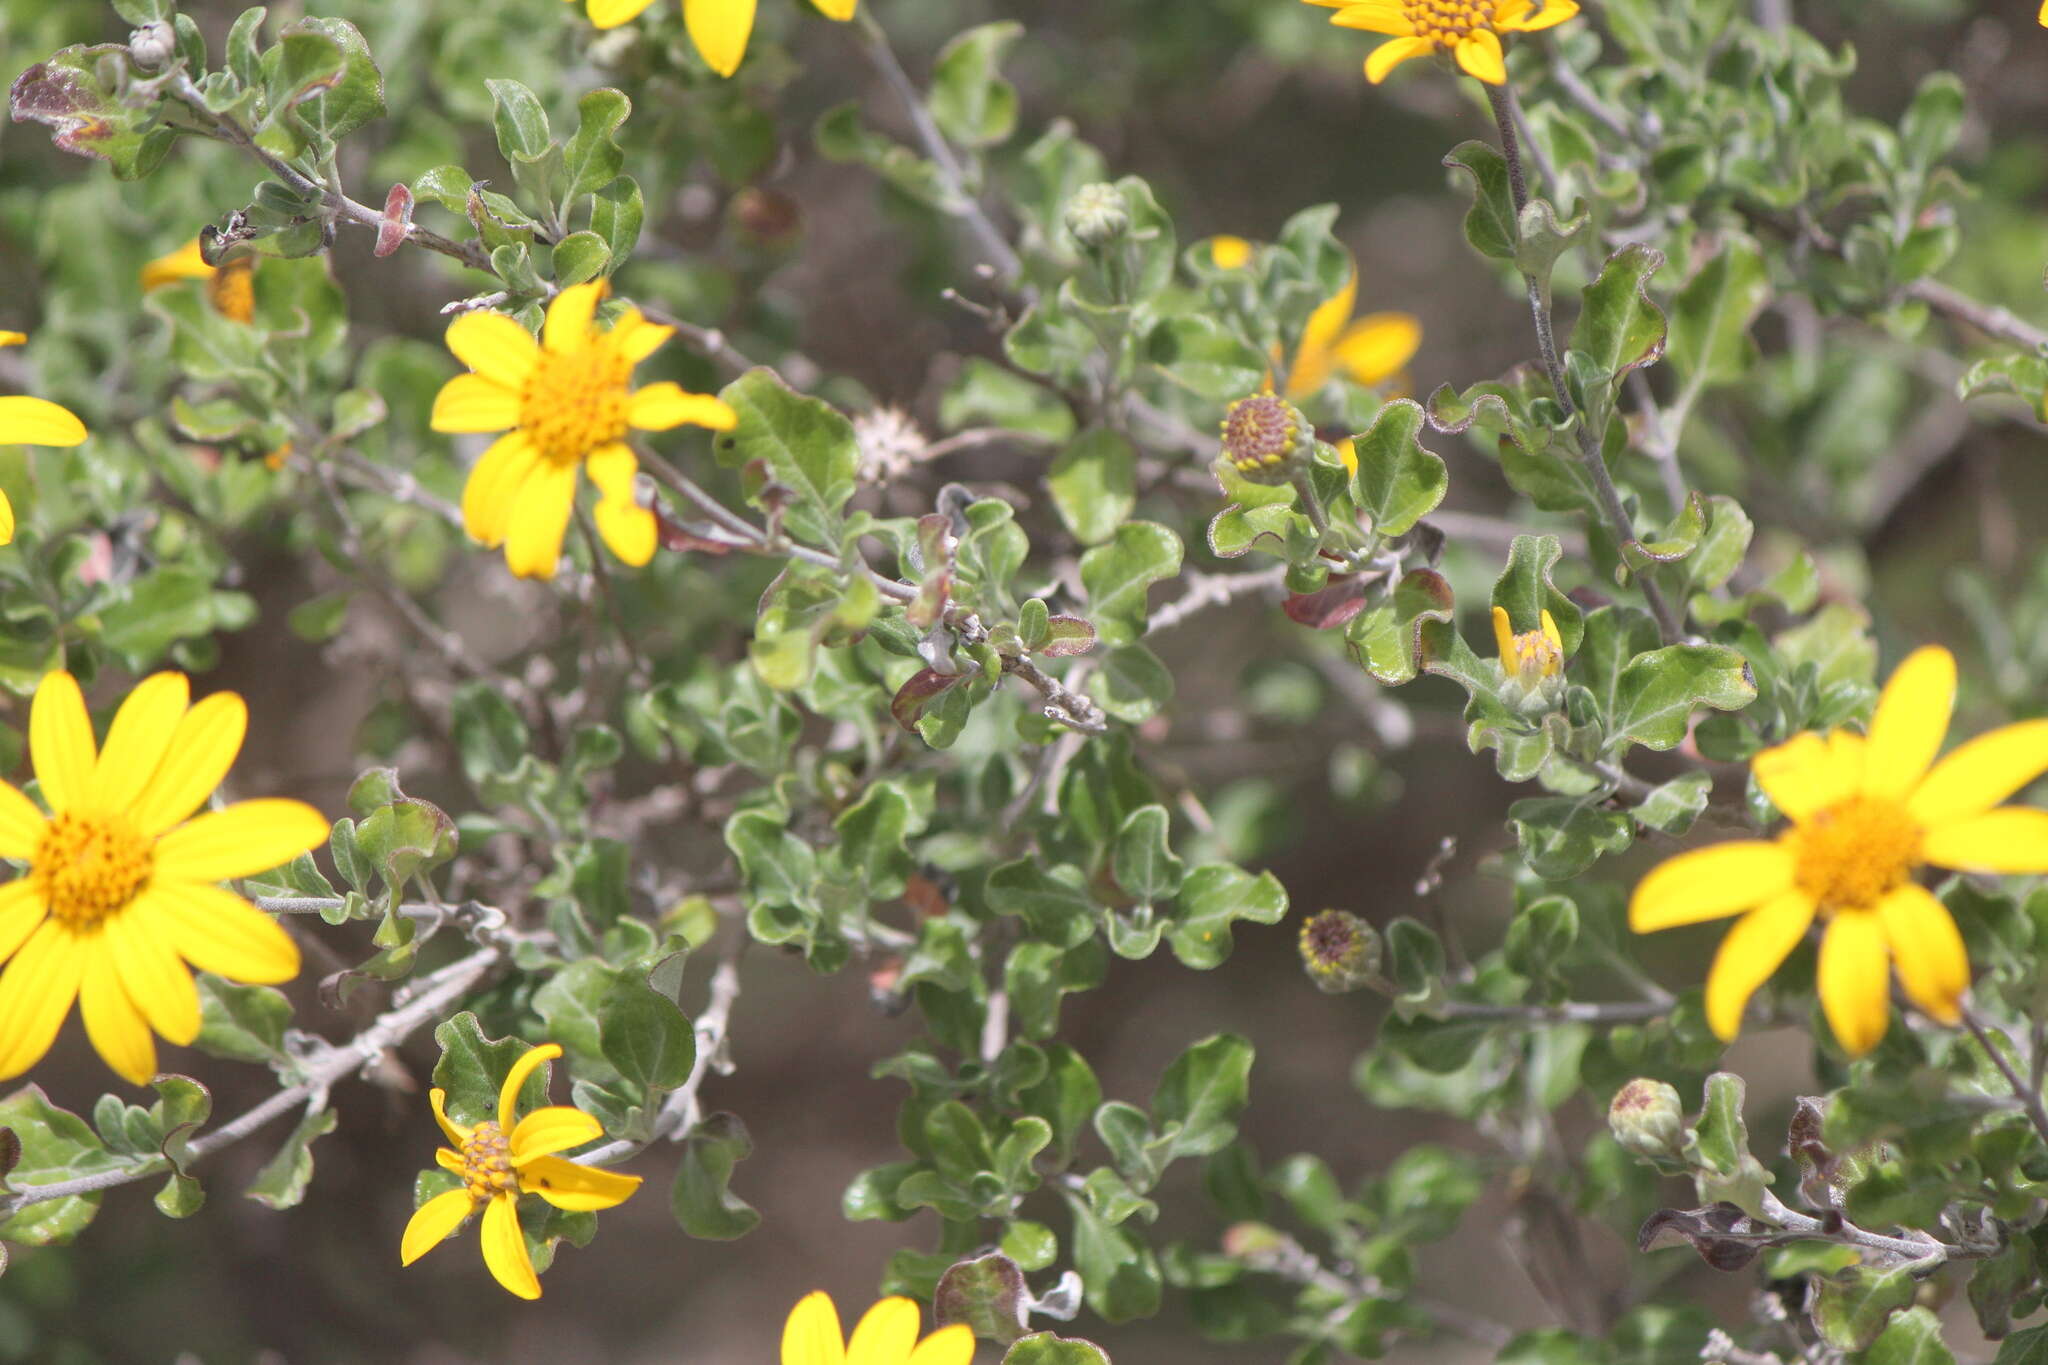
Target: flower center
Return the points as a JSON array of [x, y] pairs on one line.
[[1851, 855], [1533, 658], [90, 866], [487, 1163], [574, 403], [1448, 21], [1260, 432]]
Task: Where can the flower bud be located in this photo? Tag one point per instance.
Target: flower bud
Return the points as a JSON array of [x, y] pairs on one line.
[[1531, 663], [1340, 951], [152, 46], [1266, 438], [1256, 1244], [1648, 1119], [1097, 215]]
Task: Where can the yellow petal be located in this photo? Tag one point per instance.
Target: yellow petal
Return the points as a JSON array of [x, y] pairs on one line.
[[1313, 358], [567, 329], [2009, 839], [612, 13], [26, 421], [659, 407], [246, 838], [1230, 253], [1515, 15], [201, 751], [219, 932], [1378, 346], [1392, 53], [22, 911], [470, 402], [613, 469], [1910, 723], [494, 346], [1504, 638], [578, 1189], [143, 948], [625, 525], [21, 824], [505, 1248], [60, 741], [515, 1080], [1373, 16], [493, 487], [1933, 965], [431, 1223], [842, 10], [1809, 772], [116, 1027], [183, 264], [952, 1345], [540, 518], [448, 1161], [1480, 55], [552, 1128], [13, 338], [1709, 883], [720, 29], [6, 520], [1753, 949], [635, 337], [437, 1099], [36, 992], [138, 739], [1551, 632], [1982, 773], [811, 1336], [885, 1334], [1855, 980]]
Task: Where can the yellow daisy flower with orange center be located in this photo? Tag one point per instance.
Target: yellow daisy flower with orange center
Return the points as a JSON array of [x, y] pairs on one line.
[[500, 1160], [569, 403], [1867, 812], [719, 28], [230, 288], [120, 894], [26, 421], [885, 1335], [1468, 29]]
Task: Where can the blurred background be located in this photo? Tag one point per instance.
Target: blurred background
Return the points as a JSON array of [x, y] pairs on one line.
[[1239, 112]]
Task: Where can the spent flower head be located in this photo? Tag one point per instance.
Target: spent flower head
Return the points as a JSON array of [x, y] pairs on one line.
[[1470, 30], [1340, 951], [1266, 438], [569, 403], [500, 1159], [120, 897], [1867, 812]]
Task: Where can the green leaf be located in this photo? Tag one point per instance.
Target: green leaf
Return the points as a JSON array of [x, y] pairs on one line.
[[1933, 121], [1851, 1309], [1712, 314], [1196, 1106], [616, 212], [1117, 575], [282, 1182], [1037, 975], [1142, 860], [520, 121], [581, 256], [1093, 484], [55, 1146], [1387, 638], [988, 1294], [970, 101], [1618, 330], [778, 867], [1562, 836], [1656, 693], [2029, 1347], [806, 445], [1398, 482], [1212, 898], [241, 1023], [1525, 590], [1132, 684], [1201, 355], [701, 1199], [472, 1069], [1541, 239], [593, 159], [338, 102], [1053, 903], [872, 839], [1043, 1348], [1490, 223], [1119, 1273], [1913, 1338], [646, 1038]]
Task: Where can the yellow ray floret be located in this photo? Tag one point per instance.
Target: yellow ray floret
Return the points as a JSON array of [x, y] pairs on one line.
[[1470, 30], [885, 1335], [565, 403], [1866, 812], [718, 28], [26, 421], [120, 900], [500, 1159]]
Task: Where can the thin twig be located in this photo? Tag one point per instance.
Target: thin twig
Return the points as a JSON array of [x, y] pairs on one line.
[[680, 1111], [2028, 1096]]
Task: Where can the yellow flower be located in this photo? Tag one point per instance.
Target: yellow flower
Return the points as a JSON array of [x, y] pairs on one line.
[[1369, 351], [1469, 29], [26, 421], [498, 1161], [1532, 656], [120, 893], [569, 403], [719, 28], [1866, 812], [885, 1335], [1230, 253], [231, 288]]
